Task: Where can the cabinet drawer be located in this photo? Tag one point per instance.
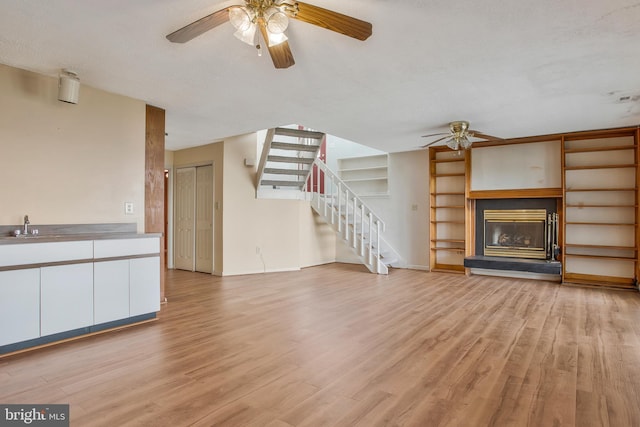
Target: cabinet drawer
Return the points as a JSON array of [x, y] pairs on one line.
[[36, 253], [126, 247]]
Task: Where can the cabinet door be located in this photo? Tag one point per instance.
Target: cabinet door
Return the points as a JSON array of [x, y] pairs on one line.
[[144, 285], [110, 291], [66, 295], [19, 305]]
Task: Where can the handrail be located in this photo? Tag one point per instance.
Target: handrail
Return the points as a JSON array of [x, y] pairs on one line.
[[369, 248]]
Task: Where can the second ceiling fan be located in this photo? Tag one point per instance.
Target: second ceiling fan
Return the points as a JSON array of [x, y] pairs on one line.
[[271, 17]]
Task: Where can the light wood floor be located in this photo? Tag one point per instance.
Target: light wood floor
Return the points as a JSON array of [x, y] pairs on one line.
[[336, 346]]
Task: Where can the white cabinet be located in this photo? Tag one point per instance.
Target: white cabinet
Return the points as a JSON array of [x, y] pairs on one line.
[[19, 305], [66, 298], [110, 290], [144, 285]]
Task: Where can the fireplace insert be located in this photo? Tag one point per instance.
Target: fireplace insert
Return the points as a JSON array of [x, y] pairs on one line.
[[519, 233]]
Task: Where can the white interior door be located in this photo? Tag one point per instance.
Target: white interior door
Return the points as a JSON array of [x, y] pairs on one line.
[[204, 219], [185, 206]]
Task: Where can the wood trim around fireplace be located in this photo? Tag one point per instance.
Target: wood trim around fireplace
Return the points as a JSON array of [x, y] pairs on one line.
[[525, 193]]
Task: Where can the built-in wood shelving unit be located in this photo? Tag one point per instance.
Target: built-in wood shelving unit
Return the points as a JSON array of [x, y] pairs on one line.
[[367, 176], [448, 181], [600, 174]]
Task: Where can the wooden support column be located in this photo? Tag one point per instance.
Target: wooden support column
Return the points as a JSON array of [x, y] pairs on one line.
[[154, 181]]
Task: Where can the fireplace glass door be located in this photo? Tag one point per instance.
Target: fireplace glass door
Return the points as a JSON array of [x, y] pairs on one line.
[[518, 233]]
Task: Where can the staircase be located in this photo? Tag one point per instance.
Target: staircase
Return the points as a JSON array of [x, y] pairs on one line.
[[358, 226], [285, 163], [289, 168]]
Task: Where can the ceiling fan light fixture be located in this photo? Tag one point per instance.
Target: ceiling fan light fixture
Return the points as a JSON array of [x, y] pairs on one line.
[[277, 21], [465, 142], [276, 38], [453, 143], [240, 18], [247, 36]]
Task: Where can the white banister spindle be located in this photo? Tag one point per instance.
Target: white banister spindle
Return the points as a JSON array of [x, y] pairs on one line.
[[339, 207], [370, 238], [318, 184], [346, 214], [333, 202], [362, 230], [377, 246], [355, 221]]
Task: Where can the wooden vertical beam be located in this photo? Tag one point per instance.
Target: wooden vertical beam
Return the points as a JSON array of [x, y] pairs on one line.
[[562, 207], [154, 181], [470, 211], [432, 209], [637, 201]]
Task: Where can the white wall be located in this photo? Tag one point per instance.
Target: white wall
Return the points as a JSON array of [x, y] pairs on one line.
[[68, 164], [256, 235]]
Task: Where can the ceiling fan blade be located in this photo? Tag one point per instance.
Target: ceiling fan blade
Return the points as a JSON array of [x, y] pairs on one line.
[[485, 136], [334, 21], [200, 26], [281, 53], [437, 140], [435, 134]]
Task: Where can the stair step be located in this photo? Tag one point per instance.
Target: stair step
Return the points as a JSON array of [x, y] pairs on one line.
[[294, 147], [296, 172], [285, 159], [274, 183], [299, 133]]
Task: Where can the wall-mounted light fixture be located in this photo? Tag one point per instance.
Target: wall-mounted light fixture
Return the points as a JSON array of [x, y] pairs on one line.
[[68, 87]]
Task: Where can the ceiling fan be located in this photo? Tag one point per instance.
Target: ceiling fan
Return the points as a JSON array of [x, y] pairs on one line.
[[271, 17], [458, 136]]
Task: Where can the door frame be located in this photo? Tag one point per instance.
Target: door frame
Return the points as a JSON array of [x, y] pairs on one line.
[[172, 197]]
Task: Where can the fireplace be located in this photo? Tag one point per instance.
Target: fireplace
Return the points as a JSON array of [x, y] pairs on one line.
[[516, 233]]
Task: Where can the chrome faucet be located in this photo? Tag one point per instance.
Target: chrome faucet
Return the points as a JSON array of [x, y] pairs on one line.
[[26, 224]]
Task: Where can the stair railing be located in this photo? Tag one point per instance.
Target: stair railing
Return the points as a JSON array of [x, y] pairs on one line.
[[336, 205]]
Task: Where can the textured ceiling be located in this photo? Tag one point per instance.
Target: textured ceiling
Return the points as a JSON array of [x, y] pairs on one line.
[[512, 69]]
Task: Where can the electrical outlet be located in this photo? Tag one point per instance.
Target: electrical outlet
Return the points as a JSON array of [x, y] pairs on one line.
[[128, 208]]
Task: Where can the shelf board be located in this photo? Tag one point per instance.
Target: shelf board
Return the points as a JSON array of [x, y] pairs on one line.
[[448, 249], [575, 168], [579, 190], [616, 258], [450, 193], [590, 279], [441, 175], [368, 168], [447, 222], [592, 149], [448, 268], [449, 207], [608, 224], [448, 240], [364, 179], [452, 160], [577, 245]]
